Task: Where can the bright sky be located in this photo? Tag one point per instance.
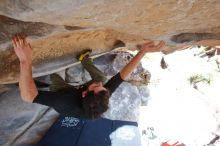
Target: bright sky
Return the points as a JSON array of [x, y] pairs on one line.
[[176, 111]]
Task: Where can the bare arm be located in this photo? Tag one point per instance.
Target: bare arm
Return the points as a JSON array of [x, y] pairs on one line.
[[23, 50], [147, 47]]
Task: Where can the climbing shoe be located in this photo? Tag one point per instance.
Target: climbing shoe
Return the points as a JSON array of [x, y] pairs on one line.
[[84, 54]]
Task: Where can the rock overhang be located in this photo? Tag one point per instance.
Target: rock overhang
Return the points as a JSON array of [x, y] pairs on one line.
[[49, 23]]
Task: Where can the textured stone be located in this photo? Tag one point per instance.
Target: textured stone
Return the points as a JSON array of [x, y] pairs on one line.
[[149, 18], [61, 51], [56, 27]]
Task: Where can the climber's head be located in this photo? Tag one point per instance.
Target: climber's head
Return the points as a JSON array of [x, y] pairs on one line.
[[95, 100]]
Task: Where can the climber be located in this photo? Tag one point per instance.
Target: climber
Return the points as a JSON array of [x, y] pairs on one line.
[[87, 102]]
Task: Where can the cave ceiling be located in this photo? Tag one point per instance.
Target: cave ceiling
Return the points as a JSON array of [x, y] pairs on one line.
[[54, 27]]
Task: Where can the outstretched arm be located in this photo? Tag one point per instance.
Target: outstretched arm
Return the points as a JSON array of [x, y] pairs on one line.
[[147, 47], [23, 50]]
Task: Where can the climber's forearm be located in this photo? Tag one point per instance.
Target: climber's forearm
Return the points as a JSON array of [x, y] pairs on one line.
[[127, 70], [28, 89], [146, 47], [24, 52]]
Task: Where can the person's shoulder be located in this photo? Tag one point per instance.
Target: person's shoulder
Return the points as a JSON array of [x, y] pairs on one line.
[[69, 90]]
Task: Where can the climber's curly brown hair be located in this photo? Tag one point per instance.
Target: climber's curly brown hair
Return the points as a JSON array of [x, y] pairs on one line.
[[94, 105]]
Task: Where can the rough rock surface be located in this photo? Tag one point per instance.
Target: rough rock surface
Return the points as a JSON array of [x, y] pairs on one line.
[[22, 123], [52, 26], [61, 51], [148, 18]]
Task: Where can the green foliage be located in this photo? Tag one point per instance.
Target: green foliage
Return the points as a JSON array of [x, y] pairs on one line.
[[200, 78]]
